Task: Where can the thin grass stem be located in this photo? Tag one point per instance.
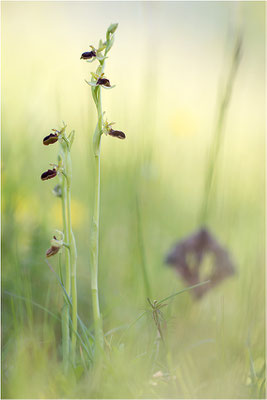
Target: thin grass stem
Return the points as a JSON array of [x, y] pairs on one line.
[[142, 251], [212, 162]]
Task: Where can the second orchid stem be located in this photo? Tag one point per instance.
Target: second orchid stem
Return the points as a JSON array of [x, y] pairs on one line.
[[65, 310], [72, 256]]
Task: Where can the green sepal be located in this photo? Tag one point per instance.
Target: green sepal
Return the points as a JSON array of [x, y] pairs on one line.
[[93, 84], [92, 60], [101, 45], [108, 87], [101, 58], [95, 75]]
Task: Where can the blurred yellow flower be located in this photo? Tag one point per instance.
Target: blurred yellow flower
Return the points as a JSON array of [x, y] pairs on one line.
[[78, 213], [183, 122]]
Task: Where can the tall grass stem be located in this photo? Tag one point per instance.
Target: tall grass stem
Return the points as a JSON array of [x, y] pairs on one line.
[[142, 251], [218, 131]]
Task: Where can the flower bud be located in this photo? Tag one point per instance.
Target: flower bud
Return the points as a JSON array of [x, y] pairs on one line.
[[49, 174]]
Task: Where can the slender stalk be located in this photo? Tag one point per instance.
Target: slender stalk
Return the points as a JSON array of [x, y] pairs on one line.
[[142, 251], [73, 252], [94, 258], [95, 235], [67, 238], [218, 132], [65, 309], [98, 324]]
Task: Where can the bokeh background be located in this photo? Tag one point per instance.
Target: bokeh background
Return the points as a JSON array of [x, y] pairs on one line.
[[168, 62]]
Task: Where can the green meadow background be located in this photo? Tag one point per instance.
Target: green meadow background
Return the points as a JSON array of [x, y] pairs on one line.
[[168, 63]]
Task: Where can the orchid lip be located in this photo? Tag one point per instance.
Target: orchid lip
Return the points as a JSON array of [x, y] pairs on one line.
[[103, 81], [50, 139], [49, 174], [52, 251], [87, 55], [117, 134]]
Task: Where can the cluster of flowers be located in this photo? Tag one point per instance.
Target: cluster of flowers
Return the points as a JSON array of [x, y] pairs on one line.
[[51, 139], [56, 243], [99, 79]]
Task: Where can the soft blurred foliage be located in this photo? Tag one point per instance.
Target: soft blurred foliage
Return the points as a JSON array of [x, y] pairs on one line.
[[168, 63]]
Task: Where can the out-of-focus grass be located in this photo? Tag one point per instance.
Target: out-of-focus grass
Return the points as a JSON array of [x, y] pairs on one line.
[[165, 102]]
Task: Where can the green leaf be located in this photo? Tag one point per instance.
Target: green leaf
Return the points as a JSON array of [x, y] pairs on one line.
[[71, 137], [182, 291], [109, 44], [79, 370]]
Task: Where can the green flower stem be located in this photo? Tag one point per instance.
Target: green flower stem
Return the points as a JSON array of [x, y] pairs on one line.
[[94, 259], [94, 238], [65, 309], [73, 254], [71, 251], [212, 161], [99, 337]]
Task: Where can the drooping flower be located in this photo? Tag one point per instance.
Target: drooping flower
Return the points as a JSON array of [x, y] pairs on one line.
[[56, 244], [52, 251], [112, 132], [57, 168], [103, 82], [117, 134], [49, 174], [88, 55], [50, 139]]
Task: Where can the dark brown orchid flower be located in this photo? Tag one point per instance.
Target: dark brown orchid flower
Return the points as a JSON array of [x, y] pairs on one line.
[[188, 258], [103, 82], [117, 134], [50, 139], [52, 251], [49, 174], [88, 55]]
